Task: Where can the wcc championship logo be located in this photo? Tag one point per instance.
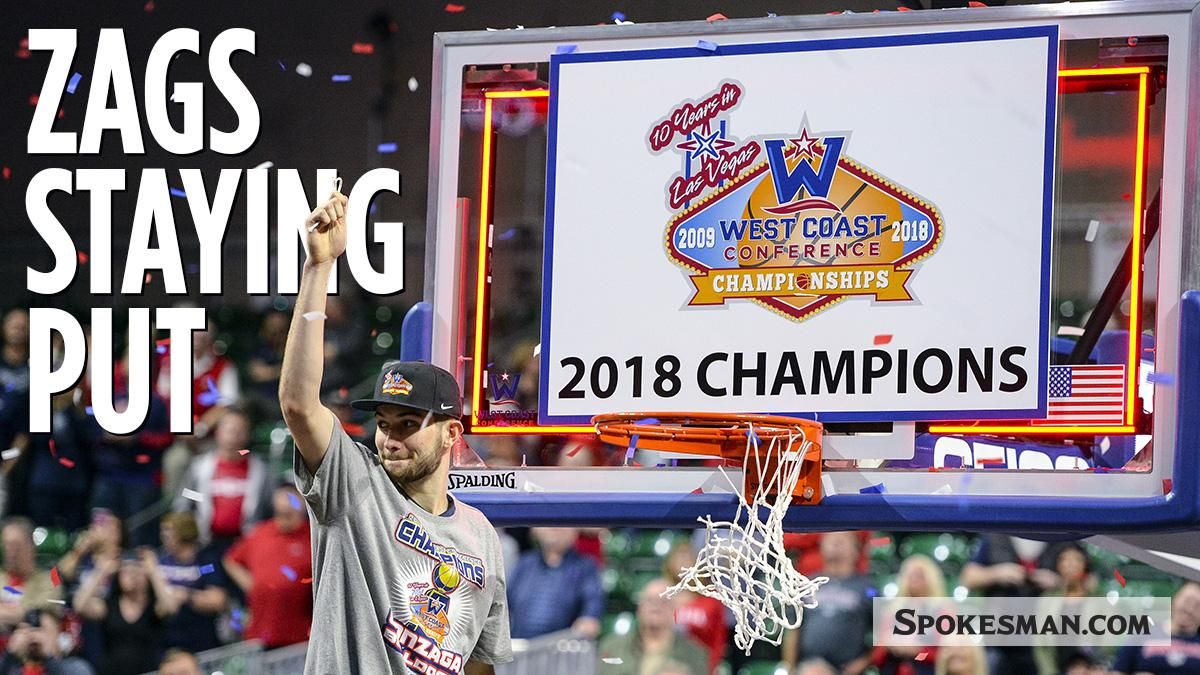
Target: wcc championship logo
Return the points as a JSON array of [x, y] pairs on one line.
[[788, 221]]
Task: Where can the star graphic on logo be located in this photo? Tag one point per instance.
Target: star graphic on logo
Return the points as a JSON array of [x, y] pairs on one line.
[[699, 144], [504, 377], [804, 144]]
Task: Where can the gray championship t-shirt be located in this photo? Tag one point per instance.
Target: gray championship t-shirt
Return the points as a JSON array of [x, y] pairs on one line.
[[397, 589]]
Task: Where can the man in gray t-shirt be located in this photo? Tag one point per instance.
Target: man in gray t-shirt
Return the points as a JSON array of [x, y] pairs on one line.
[[405, 578]]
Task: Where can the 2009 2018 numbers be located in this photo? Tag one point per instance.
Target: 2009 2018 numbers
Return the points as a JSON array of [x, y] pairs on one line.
[[696, 237], [910, 230], [604, 376]]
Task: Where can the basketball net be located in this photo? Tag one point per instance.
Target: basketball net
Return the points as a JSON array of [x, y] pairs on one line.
[[743, 563]]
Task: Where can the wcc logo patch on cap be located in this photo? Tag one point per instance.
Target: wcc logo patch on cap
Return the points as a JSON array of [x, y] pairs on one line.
[[394, 383]]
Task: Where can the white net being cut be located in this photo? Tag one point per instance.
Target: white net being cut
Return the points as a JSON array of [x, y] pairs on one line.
[[743, 563]]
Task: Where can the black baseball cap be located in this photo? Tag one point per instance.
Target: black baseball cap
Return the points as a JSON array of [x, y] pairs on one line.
[[415, 384]]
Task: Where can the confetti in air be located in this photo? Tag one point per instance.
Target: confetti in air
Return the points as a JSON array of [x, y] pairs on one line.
[[362, 48], [176, 192], [341, 77], [207, 569], [294, 501], [303, 69], [243, 452], [11, 453], [413, 84], [288, 572], [1120, 579], [386, 148], [69, 463], [706, 46], [74, 83], [717, 17], [883, 339], [1165, 379], [876, 489], [566, 49], [1093, 228], [314, 316], [265, 165], [12, 590], [191, 494], [453, 8], [54, 577]]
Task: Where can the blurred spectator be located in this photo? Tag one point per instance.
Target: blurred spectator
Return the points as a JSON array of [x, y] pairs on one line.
[[229, 488], [262, 391], [214, 386], [653, 642], [345, 333], [962, 660], [128, 467], [554, 588], [836, 629], [699, 616], [805, 549], [1084, 664], [133, 613], [919, 577], [34, 648], [26, 587], [179, 662], [273, 567], [1183, 654], [195, 576], [14, 406], [102, 540], [1007, 566], [1073, 567], [815, 667], [60, 464]]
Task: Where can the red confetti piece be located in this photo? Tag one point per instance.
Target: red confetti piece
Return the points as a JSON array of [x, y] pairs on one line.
[[147, 277], [454, 9], [698, 491], [362, 48], [244, 451], [717, 17], [880, 541], [83, 257], [61, 113], [54, 578], [7, 173], [343, 392], [904, 9], [306, 580], [53, 448], [143, 459], [70, 464], [34, 99], [975, 3], [149, 6], [1126, 196], [1167, 486], [883, 339], [575, 450], [1120, 579], [923, 655], [635, 464]]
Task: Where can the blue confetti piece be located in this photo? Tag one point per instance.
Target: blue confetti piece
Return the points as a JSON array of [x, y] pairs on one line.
[[508, 234], [341, 78], [1165, 379], [294, 501], [12, 590], [660, 465], [207, 569], [618, 16], [161, 349], [771, 15], [871, 592], [876, 489], [566, 49], [210, 397], [632, 446], [74, 83], [372, 209], [386, 148], [176, 192], [288, 572], [648, 420], [706, 46], [89, 410], [753, 437], [281, 66]]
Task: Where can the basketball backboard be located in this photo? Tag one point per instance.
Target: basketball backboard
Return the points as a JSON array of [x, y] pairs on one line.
[[632, 218]]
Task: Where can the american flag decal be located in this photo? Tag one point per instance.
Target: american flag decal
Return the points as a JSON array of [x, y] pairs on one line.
[[1089, 394]]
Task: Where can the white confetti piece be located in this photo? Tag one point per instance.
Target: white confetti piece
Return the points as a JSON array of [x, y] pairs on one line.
[[614, 661], [303, 69], [1105, 443], [265, 165], [413, 84], [191, 494], [57, 602], [11, 453], [827, 485], [944, 490], [314, 316], [1093, 228]]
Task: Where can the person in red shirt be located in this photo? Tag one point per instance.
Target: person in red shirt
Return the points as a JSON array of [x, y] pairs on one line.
[[273, 567], [228, 488], [700, 616]]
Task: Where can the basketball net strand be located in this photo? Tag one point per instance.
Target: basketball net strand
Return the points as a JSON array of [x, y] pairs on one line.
[[743, 563]]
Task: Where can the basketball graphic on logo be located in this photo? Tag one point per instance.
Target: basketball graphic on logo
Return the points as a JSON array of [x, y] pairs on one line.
[[446, 578]]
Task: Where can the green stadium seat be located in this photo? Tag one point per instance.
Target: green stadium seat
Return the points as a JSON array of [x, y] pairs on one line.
[[763, 668]]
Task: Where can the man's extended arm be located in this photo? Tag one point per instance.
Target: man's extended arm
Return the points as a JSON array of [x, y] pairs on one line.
[[310, 422]]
